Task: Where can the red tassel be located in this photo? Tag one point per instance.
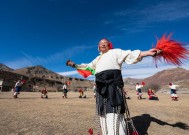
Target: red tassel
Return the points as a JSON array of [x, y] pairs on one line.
[[143, 83], [135, 133], [23, 81], [90, 131], [173, 52]]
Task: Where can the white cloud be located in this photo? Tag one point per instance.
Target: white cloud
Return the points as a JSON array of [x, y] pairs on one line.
[[75, 74], [143, 69], [28, 60], [144, 14], [68, 73], [147, 68]]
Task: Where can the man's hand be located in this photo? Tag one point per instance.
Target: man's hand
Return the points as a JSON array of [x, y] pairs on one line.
[[158, 52], [152, 52], [70, 63]]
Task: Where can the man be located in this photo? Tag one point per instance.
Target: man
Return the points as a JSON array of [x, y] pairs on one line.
[[173, 89], [17, 88], [64, 91], [110, 97], [139, 90], [94, 90], [81, 93], [44, 93]]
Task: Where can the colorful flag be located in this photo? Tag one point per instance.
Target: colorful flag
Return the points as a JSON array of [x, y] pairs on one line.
[[85, 72]]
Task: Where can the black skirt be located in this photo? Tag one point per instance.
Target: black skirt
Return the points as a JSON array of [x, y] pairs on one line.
[[109, 92]]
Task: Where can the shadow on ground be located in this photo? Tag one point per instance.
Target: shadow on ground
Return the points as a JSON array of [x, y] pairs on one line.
[[142, 123]]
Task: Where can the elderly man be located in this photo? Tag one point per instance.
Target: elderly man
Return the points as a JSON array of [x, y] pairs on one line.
[[110, 98]]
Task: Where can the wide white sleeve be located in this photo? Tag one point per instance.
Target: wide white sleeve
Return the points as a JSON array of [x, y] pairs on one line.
[[64, 87], [16, 84], [128, 56], [175, 87], [92, 64]]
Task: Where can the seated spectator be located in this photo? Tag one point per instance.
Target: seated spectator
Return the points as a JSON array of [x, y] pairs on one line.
[[44, 93], [81, 92], [152, 95]]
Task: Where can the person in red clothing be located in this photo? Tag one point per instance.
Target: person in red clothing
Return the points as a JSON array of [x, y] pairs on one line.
[[81, 92], [44, 93], [152, 95]]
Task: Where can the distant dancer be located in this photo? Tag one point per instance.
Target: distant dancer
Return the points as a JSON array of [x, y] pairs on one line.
[[81, 92], [44, 93], [17, 88], [65, 91], [139, 90], [173, 89], [94, 90]]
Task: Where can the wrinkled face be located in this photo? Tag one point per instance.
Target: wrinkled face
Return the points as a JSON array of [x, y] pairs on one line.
[[104, 46]]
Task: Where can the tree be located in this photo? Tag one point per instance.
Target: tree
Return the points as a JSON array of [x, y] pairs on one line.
[[152, 86]]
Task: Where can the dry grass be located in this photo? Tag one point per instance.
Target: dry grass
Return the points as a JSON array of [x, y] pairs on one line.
[[31, 115]]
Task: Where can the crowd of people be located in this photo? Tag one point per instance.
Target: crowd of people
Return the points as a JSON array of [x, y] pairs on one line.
[[105, 120], [151, 93], [111, 105]]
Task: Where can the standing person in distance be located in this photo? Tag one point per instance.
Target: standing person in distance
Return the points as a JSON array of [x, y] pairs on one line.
[[65, 90], [139, 90], [17, 88]]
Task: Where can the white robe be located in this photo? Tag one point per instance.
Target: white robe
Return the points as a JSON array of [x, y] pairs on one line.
[[113, 59]]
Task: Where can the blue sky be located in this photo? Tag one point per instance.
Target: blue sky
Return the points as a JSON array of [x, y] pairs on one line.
[[49, 32]]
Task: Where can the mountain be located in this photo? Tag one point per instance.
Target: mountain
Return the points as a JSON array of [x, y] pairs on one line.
[[5, 68], [168, 76], [132, 80], [38, 77], [37, 71], [179, 76]]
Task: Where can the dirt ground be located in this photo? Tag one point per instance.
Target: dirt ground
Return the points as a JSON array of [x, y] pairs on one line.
[[31, 115]]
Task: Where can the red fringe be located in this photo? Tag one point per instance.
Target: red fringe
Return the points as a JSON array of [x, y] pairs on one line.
[[173, 52], [143, 83], [90, 131], [135, 133]]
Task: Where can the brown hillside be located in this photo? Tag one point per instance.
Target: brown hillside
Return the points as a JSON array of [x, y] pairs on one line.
[[166, 76], [38, 77], [37, 71], [5, 68], [132, 80], [9, 79]]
